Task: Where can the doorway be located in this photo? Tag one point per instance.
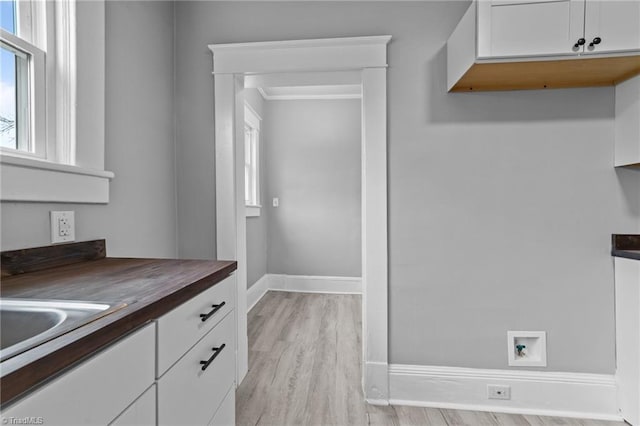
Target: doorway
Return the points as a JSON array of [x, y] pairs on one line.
[[364, 57]]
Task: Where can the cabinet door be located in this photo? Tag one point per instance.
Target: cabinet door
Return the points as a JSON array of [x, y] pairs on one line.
[[615, 22], [141, 413], [529, 27], [188, 395], [97, 390], [226, 414]]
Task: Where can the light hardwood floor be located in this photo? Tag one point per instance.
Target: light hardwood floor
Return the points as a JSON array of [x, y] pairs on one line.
[[305, 369]]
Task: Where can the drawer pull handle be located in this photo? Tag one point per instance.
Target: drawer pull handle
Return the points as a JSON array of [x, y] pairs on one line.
[[206, 363], [215, 309]]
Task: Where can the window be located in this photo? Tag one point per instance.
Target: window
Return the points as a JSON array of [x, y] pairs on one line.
[[22, 78], [251, 161], [52, 112]]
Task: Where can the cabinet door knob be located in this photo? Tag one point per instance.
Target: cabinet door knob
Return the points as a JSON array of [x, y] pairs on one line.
[[579, 43], [595, 41]]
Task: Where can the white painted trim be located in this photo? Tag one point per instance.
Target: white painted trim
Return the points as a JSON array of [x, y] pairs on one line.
[[251, 116], [302, 284], [26, 179], [564, 394], [257, 291], [304, 44], [262, 93], [315, 284], [267, 97], [368, 55], [334, 54], [231, 224], [303, 79], [66, 84], [375, 271], [252, 211], [376, 382], [309, 97], [33, 163]]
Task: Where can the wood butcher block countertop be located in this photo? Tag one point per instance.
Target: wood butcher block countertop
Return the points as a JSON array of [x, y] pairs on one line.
[[149, 287], [626, 245]]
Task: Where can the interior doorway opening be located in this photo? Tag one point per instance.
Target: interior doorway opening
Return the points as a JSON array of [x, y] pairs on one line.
[[233, 64]]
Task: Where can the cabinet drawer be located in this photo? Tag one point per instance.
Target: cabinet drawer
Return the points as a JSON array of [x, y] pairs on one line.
[[187, 395], [181, 328], [97, 390], [141, 413], [226, 414]]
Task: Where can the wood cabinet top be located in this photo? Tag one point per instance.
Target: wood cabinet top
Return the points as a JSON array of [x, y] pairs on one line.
[[625, 245]]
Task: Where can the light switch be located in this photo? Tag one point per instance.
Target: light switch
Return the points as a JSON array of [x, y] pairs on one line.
[[276, 202]]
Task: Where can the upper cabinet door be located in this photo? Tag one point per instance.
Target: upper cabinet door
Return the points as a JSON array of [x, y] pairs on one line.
[[612, 25], [508, 28]]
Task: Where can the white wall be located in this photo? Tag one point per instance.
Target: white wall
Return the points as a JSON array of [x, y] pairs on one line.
[[313, 167], [501, 205], [141, 219]]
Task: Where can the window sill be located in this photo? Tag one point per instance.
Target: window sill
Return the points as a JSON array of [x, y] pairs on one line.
[[33, 180], [252, 211]]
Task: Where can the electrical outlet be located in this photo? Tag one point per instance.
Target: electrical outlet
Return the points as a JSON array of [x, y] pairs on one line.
[[498, 392], [62, 227]]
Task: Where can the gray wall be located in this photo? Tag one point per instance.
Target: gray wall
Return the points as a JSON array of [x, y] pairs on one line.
[[140, 220], [257, 225], [501, 205], [313, 167]]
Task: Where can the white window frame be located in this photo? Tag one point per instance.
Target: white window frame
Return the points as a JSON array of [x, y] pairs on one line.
[[252, 122], [35, 125], [54, 171]]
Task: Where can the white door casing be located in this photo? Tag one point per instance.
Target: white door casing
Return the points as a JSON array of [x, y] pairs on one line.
[[367, 55]]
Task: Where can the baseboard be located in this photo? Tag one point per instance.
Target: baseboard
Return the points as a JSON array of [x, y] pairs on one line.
[[315, 284], [376, 391], [302, 284], [589, 396], [257, 291]]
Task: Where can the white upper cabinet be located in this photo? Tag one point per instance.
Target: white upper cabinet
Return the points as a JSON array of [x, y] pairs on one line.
[[544, 44], [508, 28], [612, 26], [511, 28]]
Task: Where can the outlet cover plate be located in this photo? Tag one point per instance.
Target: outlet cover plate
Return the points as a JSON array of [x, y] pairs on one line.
[[63, 227], [498, 392]]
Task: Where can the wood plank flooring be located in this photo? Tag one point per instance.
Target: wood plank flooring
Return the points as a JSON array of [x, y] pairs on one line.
[[305, 369]]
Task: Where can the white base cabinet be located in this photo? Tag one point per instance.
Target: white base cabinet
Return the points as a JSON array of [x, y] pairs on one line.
[[226, 415], [141, 413], [96, 391], [189, 395], [154, 376], [627, 283]]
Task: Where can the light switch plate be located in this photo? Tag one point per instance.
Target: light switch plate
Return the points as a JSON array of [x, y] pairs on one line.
[[63, 227]]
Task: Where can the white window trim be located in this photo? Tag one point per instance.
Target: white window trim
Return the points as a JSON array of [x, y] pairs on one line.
[[253, 119], [58, 176], [252, 211]]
